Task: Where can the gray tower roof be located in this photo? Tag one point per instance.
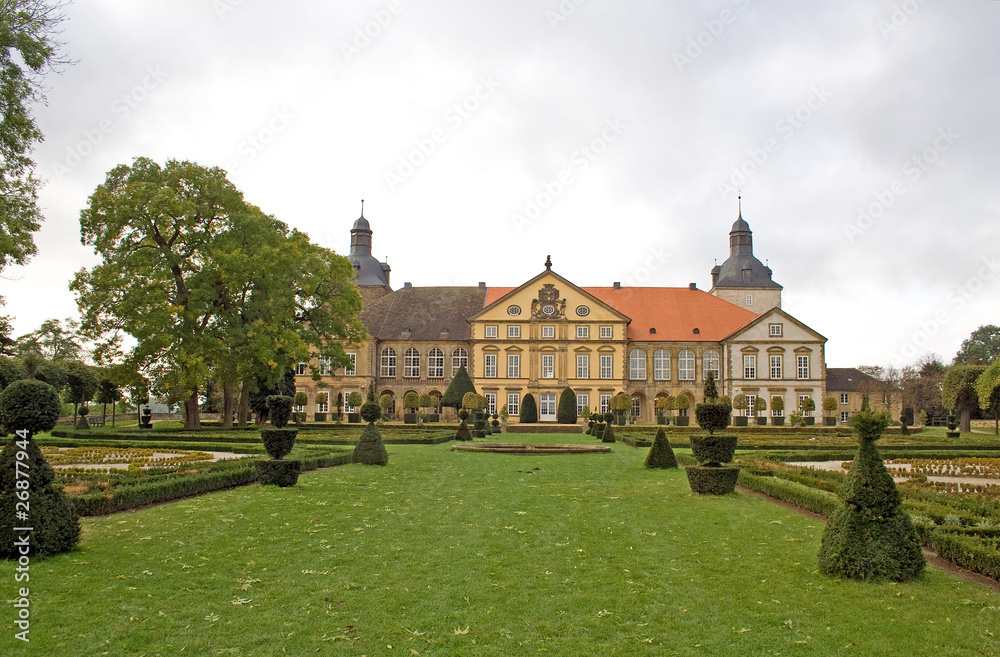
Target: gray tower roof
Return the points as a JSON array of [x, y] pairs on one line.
[[741, 268], [367, 270]]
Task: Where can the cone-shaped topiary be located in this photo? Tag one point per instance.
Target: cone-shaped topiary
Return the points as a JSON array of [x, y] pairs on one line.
[[460, 384], [529, 409], [370, 450], [609, 434], [27, 407], [871, 537], [566, 413], [278, 442], [463, 432], [661, 455]]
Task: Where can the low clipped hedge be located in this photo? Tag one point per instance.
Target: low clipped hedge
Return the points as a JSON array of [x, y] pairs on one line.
[[977, 553], [814, 500]]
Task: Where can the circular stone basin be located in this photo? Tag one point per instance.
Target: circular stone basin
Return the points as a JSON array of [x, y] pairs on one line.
[[522, 448]]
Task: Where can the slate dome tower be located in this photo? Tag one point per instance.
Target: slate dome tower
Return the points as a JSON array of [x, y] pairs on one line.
[[743, 279]]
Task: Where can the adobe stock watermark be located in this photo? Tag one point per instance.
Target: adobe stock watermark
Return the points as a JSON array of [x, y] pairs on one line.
[[366, 33], [22, 535], [913, 169], [562, 13], [579, 161], [785, 128], [956, 298], [120, 109], [223, 7], [454, 118], [706, 38], [255, 143], [652, 262], [899, 17]]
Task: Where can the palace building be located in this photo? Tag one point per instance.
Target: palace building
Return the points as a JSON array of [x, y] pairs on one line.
[[548, 333]]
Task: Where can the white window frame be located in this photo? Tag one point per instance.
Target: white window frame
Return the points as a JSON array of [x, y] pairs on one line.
[[845, 398], [661, 365], [513, 366], [582, 402], [775, 366], [605, 403], [514, 331], [749, 366], [749, 299], [513, 403], [459, 357], [710, 363], [548, 366], [686, 362], [548, 331], [490, 331], [802, 398], [637, 406], [490, 366], [775, 413], [583, 366], [774, 330], [387, 363], [411, 363], [301, 368], [435, 364], [324, 366], [352, 368], [347, 407], [802, 366], [491, 402], [582, 332], [637, 365], [751, 400], [607, 366], [607, 332], [845, 417]]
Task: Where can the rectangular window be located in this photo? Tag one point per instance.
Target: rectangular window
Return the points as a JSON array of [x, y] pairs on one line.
[[322, 402], [774, 330], [490, 366], [513, 366], [637, 365], [514, 403], [775, 366], [435, 364], [491, 331], [347, 407], [411, 364], [685, 365], [301, 368], [802, 398], [636, 407], [491, 402], [548, 331], [749, 299], [776, 413], [607, 363], [388, 368], [548, 366], [606, 333], [299, 408], [802, 363], [513, 331], [844, 417], [324, 366], [582, 403], [352, 367], [749, 367], [845, 398], [583, 367], [661, 365], [605, 403], [751, 400], [582, 332], [459, 359]]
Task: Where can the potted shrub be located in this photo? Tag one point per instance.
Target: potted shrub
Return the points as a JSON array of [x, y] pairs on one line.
[[435, 401], [808, 406], [338, 414], [504, 415], [711, 476], [741, 402], [301, 399], [385, 402], [829, 406], [778, 406], [760, 406], [682, 405], [620, 405], [370, 449], [411, 402], [354, 400], [278, 442], [666, 404], [474, 403]]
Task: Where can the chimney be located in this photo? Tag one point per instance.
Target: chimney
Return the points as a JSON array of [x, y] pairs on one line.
[[618, 285], [482, 286], [693, 286], [407, 285]]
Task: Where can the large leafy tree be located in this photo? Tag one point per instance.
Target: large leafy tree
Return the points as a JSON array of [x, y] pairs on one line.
[[988, 390], [959, 392], [28, 49], [982, 347], [54, 340]]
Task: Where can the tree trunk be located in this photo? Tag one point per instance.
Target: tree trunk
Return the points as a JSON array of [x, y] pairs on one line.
[[227, 405], [114, 404], [104, 413], [965, 421], [241, 420], [192, 419]]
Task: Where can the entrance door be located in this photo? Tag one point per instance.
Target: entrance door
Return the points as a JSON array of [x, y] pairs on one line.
[[547, 407]]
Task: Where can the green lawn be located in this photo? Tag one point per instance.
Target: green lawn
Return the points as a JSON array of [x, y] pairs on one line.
[[455, 553]]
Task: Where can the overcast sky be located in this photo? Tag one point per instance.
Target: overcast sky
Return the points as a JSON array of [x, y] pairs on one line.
[[611, 135]]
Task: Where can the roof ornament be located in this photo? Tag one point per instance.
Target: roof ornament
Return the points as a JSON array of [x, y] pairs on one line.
[[739, 200], [548, 263], [362, 207]]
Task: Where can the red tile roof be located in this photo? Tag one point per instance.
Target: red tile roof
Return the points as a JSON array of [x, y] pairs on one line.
[[673, 311]]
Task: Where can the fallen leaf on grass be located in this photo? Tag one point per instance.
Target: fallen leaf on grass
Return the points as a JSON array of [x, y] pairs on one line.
[[461, 631]]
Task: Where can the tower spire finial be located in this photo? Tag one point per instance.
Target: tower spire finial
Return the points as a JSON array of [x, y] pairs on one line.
[[548, 262], [739, 199], [362, 207]]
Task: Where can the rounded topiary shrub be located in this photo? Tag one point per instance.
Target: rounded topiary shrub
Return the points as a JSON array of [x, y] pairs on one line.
[[661, 455], [609, 434], [371, 411], [278, 442], [870, 537], [463, 432], [30, 406], [278, 472], [713, 450], [712, 480], [370, 449], [279, 409], [712, 416]]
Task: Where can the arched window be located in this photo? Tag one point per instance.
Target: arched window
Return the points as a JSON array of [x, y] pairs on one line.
[[435, 364], [637, 365], [459, 358], [661, 365], [388, 363], [685, 365], [411, 364], [710, 363]]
